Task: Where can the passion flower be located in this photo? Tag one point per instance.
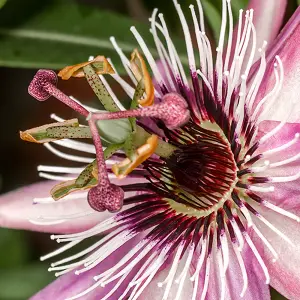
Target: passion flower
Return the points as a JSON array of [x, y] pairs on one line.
[[193, 219]]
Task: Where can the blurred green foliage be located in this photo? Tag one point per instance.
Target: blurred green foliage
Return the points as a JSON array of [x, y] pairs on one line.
[[20, 275], [51, 34]]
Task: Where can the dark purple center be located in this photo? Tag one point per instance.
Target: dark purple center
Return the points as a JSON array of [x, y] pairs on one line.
[[204, 168]]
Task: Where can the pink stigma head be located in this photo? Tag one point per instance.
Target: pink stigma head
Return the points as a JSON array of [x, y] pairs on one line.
[[37, 86], [177, 113], [109, 197]]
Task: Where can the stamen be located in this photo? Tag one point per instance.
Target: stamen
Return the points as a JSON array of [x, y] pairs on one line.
[[202, 53], [271, 94], [182, 277], [257, 255], [261, 188], [97, 229], [43, 85], [219, 60], [60, 250], [55, 177], [221, 273], [51, 200], [266, 242], [206, 280], [283, 147], [206, 82], [87, 250], [173, 53], [243, 268], [262, 168], [68, 156], [56, 118], [274, 229], [75, 145], [230, 33], [111, 93], [204, 243], [46, 223], [286, 178], [106, 276], [148, 55], [160, 50], [55, 169], [225, 251], [187, 37], [129, 90], [258, 78], [85, 292], [201, 16], [169, 279], [286, 161], [124, 60], [140, 271], [68, 217], [281, 211]]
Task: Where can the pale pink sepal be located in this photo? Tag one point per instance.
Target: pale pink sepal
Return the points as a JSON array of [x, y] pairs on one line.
[[286, 46], [69, 285], [256, 287], [286, 194], [285, 272], [17, 208], [267, 20]]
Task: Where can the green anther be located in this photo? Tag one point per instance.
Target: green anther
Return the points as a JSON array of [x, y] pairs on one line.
[[99, 89], [87, 174], [40, 136], [54, 131], [138, 94], [65, 132], [63, 189]]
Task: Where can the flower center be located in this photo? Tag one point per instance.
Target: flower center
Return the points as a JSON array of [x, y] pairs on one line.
[[204, 170]]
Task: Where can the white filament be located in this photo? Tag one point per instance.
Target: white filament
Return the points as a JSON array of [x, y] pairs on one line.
[[68, 156]]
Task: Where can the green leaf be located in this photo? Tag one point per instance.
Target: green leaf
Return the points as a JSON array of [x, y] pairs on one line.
[[59, 33], [2, 3], [236, 6], [22, 283], [213, 17], [13, 250]]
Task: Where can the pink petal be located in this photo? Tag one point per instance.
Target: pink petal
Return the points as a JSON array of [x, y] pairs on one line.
[[285, 272], [257, 287], [268, 18], [286, 194], [69, 285], [154, 292], [286, 46], [16, 209], [282, 137]]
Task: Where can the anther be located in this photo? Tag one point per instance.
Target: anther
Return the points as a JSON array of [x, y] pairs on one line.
[[43, 86]]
